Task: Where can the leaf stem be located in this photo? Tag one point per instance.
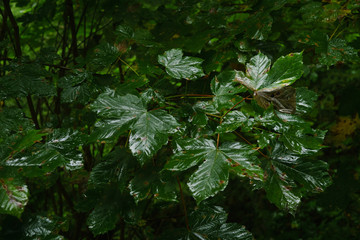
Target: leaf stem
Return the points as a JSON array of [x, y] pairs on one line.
[[257, 149], [191, 95], [128, 66], [127, 139], [184, 205], [332, 35], [213, 115], [221, 120], [235, 105]]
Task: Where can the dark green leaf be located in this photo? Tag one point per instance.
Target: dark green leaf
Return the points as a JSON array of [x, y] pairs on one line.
[[119, 112], [41, 227], [258, 26], [211, 177], [75, 79], [80, 94], [209, 223], [151, 95], [66, 143], [312, 12], [126, 108], [104, 55], [286, 172], [233, 120], [12, 120], [125, 31], [281, 190], [305, 100], [225, 90], [199, 117], [106, 213], [107, 129], [337, 51], [242, 161], [13, 196], [150, 129], [60, 150], [188, 153], [303, 141], [180, 67], [26, 79], [19, 142], [149, 182], [150, 133], [38, 163], [114, 168], [213, 174], [257, 70], [265, 138], [285, 71]]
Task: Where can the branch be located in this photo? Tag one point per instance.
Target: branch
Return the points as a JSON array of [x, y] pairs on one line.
[[70, 14], [14, 25], [4, 25], [221, 120], [32, 111]]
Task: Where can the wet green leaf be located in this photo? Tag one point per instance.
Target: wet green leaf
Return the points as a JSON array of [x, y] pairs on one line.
[[305, 100], [225, 90], [59, 150], [150, 129], [233, 120], [114, 169], [104, 55], [44, 227], [260, 26], [106, 212], [26, 79], [337, 51], [13, 196], [207, 223], [148, 182], [286, 173], [213, 174], [285, 71], [80, 94], [150, 133], [180, 67], [12, 120], [303, 141]]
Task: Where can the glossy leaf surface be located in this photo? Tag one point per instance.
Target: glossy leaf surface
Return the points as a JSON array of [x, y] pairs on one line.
[[150, 129], [286, 172], [44, 227], [213, 174], [179, 67], [225, 90], [207, 223], [285, 71], [148, 182], [13, 196]]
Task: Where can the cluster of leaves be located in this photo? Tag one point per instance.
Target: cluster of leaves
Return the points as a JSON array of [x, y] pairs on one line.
[[115, 121]]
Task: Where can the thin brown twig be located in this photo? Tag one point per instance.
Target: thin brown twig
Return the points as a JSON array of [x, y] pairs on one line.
[[221, 120], [257, 149], [246, 98], [191, 95]]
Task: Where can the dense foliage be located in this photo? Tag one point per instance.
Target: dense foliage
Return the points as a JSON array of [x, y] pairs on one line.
[[179, 119]]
